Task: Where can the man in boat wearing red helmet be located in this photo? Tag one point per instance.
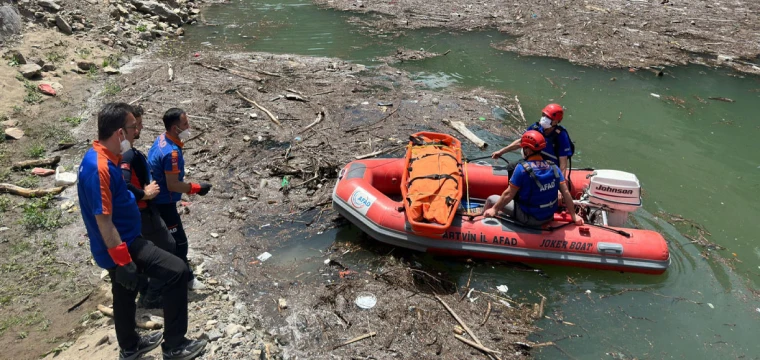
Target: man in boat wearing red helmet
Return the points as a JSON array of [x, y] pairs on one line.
[[531, 197], [558, 148]]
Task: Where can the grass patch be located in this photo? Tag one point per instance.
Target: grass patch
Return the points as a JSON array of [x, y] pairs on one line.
[[14, 61], [92, 73], [54, 57], [25, 320], [83, 53], [32, 95], [29, 182], [36, 150], [58, 133], [17, 109], [5, 173], [73, 120], [39, 215], [142, 28], [111, 88], [5, 299], [19, 247], [5, 204]]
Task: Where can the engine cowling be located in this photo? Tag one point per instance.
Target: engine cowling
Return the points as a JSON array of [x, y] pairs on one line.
[[617, 190]]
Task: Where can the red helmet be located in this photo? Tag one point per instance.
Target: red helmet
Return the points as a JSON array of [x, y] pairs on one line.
[[554, 112], [533, 140]]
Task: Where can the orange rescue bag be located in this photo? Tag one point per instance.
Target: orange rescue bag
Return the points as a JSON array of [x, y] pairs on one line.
[[432, 183]]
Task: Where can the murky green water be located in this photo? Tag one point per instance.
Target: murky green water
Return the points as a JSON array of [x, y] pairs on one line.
[[699, 160]]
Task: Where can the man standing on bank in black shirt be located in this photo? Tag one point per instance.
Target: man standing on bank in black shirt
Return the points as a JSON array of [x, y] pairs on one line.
[[134, 168]]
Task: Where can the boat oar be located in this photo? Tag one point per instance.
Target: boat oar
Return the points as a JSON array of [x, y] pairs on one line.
[[487, 157], [619, 232]]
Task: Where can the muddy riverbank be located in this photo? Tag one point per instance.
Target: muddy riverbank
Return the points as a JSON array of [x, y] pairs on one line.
[[269, 172], [630, 34]]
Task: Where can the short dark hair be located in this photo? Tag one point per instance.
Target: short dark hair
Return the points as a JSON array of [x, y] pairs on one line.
[[138, 110], [172, 116], [111, 118]]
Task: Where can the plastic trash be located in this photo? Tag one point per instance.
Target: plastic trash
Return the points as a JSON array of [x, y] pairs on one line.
[[298, 138], [264, 256], [285, 182], [502, 289], [46, 89], [63, 178], [499, 113], [588, 292], [366, 300], [711, 305], [655, 95], [42, 172]]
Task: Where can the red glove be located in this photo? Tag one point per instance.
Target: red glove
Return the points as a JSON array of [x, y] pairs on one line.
[[120, 254], [194, 188]]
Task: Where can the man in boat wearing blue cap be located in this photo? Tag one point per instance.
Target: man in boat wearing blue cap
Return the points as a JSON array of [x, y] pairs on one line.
[[559, 148], [531, 198]]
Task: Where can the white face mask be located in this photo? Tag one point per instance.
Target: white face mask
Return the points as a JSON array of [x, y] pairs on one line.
[[184, 135], [545, 122], [125, 145]]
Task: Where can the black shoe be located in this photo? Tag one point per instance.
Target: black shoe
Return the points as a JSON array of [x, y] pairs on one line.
[[150, 302], [145, 344], [190, 349]]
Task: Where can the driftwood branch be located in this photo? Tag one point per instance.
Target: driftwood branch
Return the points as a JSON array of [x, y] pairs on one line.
[[320, 117], [482, 348], [241, 74], [374, 123], [358, 338], [488, 314], [29, 193], [459, 320], [379, 152], [295, 97], [147, 325], [462, 129], [36, 163], [269, 113], [519, 108], [268, 73]]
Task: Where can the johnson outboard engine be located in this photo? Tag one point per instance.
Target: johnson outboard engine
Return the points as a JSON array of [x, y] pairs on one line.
[[611, 196]]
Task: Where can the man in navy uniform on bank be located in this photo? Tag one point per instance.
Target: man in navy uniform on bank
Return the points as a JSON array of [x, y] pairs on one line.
[[112, 219], [136, 173], [167, 165], [531, 198]]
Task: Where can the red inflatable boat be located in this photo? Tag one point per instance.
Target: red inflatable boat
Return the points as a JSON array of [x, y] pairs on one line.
[[368, 193]]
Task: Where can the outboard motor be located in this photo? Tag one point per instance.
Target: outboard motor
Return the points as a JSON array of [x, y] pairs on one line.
[[613, 195]]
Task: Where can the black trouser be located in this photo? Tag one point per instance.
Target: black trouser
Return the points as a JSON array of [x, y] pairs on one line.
[[173, 222], [154, 230], [165, 267]]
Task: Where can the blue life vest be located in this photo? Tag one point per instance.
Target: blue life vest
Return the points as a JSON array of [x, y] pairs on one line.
[[537, 197]]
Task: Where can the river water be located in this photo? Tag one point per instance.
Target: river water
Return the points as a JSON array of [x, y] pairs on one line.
[[695, 157]]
